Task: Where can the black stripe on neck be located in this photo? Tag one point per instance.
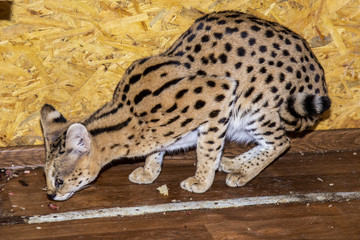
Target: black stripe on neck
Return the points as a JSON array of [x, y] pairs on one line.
[[113, 128]]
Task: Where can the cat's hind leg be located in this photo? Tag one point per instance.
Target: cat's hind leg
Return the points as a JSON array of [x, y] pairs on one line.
[[272, 141]]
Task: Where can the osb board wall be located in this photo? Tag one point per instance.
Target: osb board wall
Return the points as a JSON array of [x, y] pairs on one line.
[[72, 53]]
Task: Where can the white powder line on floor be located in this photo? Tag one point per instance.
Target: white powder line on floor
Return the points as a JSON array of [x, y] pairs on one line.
[[195, 205]]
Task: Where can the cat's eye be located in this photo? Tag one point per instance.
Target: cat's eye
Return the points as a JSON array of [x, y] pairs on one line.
[[58, 182]]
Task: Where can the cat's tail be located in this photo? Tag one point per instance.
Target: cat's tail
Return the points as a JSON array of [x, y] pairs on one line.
[[302, 110], [302, 105]]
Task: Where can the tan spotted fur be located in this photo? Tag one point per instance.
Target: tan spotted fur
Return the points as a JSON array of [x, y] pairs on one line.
[[230, 76]]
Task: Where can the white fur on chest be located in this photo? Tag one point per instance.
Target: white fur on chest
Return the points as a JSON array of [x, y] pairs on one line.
[[187, 141], [235, 132]]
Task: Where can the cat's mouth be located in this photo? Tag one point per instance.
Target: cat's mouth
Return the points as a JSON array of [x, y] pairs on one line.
[[63, 197], [66, 196]]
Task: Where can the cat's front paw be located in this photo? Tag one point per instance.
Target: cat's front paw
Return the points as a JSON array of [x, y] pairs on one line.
[[141, 176], [194, 185]]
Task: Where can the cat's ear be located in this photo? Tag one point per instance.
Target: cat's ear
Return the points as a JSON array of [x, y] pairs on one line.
[[52, 122], [78, 139]]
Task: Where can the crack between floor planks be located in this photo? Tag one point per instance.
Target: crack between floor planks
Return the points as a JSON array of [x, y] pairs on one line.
[[194, 205]]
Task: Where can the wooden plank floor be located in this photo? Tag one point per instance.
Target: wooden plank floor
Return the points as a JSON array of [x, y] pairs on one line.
[[318, 162]]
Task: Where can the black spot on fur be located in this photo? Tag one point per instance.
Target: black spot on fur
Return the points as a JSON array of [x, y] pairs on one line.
[[160, 65], [201, 73], [230, 30], [168, 134], [282, 77], [317, 78], [126, 88], [204, 60], [312, 67], [180, 54], [269, 79], [187, 121], [143, 114], [199, 104], [258, 98], [249, 92], [241, 51], [244, 34], [279, 64], [185, 109], [214, 113], [252, 41], [255, 28], [198, 90], [181, 93], [134, 78], [293, 60], [276, 46], [211, 19], [222, 120], [191, 37], [274, 89], [200, 26], [219, 98], [288, 86], [249, 69], [262, 48], [269, 34], [205, 38], [197, 48], [214, 129], [225, 86], [211, 83], [223, 58], [113, 128], [139, 97], [191, 58], [171, 120], [238, 65], [263, 70], [228, 47], [172, 108], [166, 85]]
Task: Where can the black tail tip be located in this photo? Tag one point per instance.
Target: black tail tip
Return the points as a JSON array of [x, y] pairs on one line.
[[326, 103]]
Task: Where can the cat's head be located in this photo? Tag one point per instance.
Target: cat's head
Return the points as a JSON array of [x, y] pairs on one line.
[[69, 166]]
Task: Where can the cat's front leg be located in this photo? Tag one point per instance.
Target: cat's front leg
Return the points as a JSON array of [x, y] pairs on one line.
[[151, 170], [208, 152]]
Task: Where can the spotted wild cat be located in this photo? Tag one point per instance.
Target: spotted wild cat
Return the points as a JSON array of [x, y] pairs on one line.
[[230, 76]]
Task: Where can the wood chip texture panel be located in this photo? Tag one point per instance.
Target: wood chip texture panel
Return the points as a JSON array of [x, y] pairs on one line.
[[72, 53]]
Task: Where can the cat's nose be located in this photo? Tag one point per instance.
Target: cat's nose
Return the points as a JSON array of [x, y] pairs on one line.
[[51, 196]]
